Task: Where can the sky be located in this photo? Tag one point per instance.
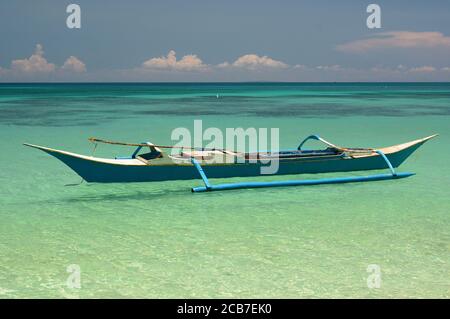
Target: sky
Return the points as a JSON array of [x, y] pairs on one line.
[[227, 40]]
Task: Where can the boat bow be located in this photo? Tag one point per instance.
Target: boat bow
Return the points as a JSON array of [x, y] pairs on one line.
[[403, 146]]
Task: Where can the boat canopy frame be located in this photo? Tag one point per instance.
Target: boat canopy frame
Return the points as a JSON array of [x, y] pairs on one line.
[[155, 152], [318, 138]]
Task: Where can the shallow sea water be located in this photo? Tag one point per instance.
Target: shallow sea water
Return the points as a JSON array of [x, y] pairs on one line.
[[158, 240]]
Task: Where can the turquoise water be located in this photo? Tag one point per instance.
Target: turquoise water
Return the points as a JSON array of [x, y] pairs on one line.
[[158, 240]]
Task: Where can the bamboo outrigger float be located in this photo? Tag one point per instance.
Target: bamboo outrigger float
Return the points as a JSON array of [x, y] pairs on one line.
[[192, 163]]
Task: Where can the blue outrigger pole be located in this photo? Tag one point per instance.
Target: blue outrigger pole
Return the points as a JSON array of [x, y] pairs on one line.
[[337, 180]]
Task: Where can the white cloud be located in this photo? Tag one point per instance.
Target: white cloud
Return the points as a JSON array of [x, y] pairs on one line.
[[380, 69], [397, 39], [194, 63], [74, 64], [37, 67], [35, 63], [300, 66], [334, 67], [383, 69], [401, 69], [187, 63], [446, 69], [254, 62], [223, 65], [423, 69]]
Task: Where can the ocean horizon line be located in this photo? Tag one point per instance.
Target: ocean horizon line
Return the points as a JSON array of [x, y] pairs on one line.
[[229, 82]]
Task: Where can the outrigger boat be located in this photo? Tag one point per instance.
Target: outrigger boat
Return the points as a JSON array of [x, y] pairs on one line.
[[192, 163]]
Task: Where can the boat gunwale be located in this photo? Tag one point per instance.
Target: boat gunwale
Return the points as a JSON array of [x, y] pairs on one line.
[[320, 158], [122, 162]]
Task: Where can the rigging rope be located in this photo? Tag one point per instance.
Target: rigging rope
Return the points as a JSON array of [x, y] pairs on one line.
[[94, 149], [97, 140]]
